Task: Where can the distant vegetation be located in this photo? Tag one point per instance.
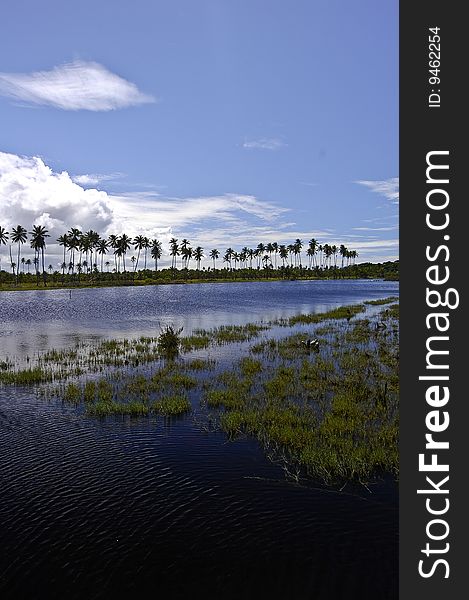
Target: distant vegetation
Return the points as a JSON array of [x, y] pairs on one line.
[[91, 260]]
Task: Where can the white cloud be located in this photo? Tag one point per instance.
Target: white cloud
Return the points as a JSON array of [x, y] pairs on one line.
[[264, 144], [32, 193], [78, 85], [376, 228], [389, 188], [87, 180]]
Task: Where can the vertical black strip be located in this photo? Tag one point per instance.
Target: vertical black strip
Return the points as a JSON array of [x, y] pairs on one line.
[[425, 127]]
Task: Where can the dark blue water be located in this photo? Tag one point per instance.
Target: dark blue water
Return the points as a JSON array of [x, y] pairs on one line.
[[151, 507]]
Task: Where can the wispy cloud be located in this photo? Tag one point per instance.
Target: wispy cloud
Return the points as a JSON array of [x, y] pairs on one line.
[[376, 228], [88, 180], [264, 144], [389, 188], [78, 85]]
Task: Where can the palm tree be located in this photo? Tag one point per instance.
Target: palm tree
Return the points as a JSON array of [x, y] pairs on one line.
[[334, 250], [198, 255], [3, 236], [259, 252], [186, 253], [250, 255], [343, 253], [275, 247], [283, 253], [312, 246], [184, 250], [112, 242], [63, 241], [297, 246], [229, 255], [23, 260], [28, 263], [174, 251], [107, 264], [139, 244], [38, 243], [146, 245], [18, 236], [214, 254], [74, 237], [102, 248], [156, 252], [124, 245]]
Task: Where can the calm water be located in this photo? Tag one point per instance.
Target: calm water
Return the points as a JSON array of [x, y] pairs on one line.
[[95, 508]]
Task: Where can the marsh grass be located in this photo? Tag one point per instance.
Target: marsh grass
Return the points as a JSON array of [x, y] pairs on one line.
[[381, 301], [332, 413]]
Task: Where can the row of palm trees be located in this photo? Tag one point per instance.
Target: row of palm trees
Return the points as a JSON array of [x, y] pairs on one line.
[[84, 252]]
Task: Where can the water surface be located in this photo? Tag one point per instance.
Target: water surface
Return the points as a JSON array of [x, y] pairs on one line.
[[101, 508]]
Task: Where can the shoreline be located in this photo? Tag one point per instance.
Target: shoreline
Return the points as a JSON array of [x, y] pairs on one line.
[[142, 283]]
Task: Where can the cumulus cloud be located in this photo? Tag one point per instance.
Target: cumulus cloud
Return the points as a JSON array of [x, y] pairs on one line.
[[78, 85], [31, 193], [264, 144], [389, 188]]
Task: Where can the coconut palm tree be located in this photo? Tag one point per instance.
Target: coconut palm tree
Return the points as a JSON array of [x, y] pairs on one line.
[[156, 252], [184, 250], [214, 254], [186, 253], [198, 255], [146, 246], [102, 249], [259, 253], [28, 263], [74, 237], [297, 246], [250, 255], [63, 241], [139, 244], [3, 236], [334, 251], [38, 243], [112, 243], [18, 236], [275, 247], [283, 253], [173, 251], [124, 245], [312, 246]]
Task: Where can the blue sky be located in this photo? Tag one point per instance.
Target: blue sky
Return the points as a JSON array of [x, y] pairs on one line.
[[226, 122]]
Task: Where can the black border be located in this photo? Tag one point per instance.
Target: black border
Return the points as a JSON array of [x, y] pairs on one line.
[[423, 129]]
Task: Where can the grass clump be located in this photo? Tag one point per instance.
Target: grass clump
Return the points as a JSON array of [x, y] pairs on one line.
[[172, 405], [342, 312], [169, 341], [31, 376], [72, 393], [381, 301]]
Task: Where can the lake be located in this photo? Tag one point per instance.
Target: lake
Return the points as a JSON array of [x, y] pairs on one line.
[[94, 508]]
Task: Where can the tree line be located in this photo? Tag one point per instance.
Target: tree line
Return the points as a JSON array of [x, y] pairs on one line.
[[90, 253]]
